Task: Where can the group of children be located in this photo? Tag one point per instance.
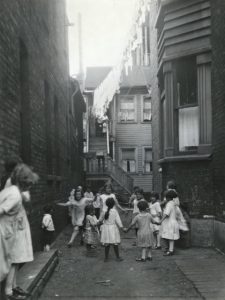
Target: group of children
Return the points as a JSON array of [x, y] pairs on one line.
[[96, 218]]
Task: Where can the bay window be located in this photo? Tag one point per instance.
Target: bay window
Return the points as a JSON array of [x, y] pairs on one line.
[[186, 111]]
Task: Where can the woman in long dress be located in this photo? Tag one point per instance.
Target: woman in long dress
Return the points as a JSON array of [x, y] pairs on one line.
[[16, 243]]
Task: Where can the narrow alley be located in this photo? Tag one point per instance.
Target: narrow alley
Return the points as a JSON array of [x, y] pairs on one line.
[[195, 273]]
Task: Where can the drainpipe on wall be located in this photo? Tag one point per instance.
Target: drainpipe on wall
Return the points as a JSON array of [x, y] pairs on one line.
[[107, 135]]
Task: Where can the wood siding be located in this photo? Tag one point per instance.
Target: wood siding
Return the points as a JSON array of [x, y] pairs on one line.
[[186, 29], [135, 135]]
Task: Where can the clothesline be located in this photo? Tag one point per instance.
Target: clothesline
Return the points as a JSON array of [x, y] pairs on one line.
[[105, 92]]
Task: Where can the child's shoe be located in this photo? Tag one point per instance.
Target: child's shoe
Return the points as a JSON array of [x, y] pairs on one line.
[[18, 291], [149, 258], [119, 259], [141, 259], [168, 253]]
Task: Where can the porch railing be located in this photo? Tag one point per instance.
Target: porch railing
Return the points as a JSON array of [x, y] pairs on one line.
[[106, 166]]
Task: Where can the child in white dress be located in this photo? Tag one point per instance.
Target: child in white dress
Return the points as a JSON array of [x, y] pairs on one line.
[[110, 234], [170, 226], [144, 234], [77, 214], [156, 213]]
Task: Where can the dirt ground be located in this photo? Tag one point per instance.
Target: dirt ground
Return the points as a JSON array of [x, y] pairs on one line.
[[80, 277]]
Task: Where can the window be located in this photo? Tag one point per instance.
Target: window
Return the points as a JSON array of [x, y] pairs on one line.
[[147, 160], [186, 108], [128, 160], [147, 109], [188, 115], [127, 109]]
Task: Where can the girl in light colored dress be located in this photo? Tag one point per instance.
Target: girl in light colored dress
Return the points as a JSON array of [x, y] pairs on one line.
[[110, 234], [144, 234], [138, 197], [156, 213], [169, 224], [15, 244], [77, 204], [107, 193]]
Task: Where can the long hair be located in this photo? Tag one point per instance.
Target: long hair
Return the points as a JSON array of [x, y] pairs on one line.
[[23, 177], [110, 202]]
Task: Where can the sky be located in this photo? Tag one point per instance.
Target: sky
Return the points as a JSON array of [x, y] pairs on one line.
[[105, 29]]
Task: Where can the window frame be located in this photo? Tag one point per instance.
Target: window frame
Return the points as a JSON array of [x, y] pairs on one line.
[[142, 109], [144, 148], [135, 158], [120, 97], [178, 106]]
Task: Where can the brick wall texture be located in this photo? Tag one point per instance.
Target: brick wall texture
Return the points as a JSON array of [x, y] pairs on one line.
[[35, 99]]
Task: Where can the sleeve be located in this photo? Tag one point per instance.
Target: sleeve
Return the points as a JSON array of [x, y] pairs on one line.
[[158, 208], [167, 209], [45, 221], [134, 221], [118, 220], [11, 201], [93, 221]]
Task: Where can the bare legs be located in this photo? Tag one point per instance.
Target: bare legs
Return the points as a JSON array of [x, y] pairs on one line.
[[11, 280]]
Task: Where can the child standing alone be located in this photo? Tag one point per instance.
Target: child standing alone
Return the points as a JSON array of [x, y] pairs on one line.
[[110, 234], [48, 227], [144, 234]]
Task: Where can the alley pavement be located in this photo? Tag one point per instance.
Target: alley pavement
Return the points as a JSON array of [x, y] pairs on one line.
[[194, 273]]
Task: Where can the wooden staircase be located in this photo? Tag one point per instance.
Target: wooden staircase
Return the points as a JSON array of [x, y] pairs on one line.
[[98, 172]]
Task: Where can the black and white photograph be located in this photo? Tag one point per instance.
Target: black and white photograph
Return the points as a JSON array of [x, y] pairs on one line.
[[112, 149]]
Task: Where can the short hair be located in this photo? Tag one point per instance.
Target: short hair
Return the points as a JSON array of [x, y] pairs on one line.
[[142, 205], [23, 177], [154, 194], [139, 190], [48, 208], [108, 185], [171, 185], [88, 209], [170, 195]]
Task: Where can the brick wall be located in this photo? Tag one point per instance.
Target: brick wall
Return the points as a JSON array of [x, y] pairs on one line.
[[40, 26]]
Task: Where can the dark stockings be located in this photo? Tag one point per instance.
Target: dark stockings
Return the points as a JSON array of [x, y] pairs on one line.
[[116, 250], [107, 251]]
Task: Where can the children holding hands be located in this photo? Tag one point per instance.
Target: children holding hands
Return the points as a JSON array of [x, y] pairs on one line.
[[144, 233]]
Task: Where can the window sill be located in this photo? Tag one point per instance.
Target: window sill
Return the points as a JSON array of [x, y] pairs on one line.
[[146, 122], [184, 158], [127, 122]]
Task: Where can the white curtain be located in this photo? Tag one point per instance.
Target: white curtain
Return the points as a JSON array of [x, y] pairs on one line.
[[188, 127]]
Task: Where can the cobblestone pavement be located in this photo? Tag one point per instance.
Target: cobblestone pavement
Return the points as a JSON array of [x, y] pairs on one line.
[[190, 274]]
